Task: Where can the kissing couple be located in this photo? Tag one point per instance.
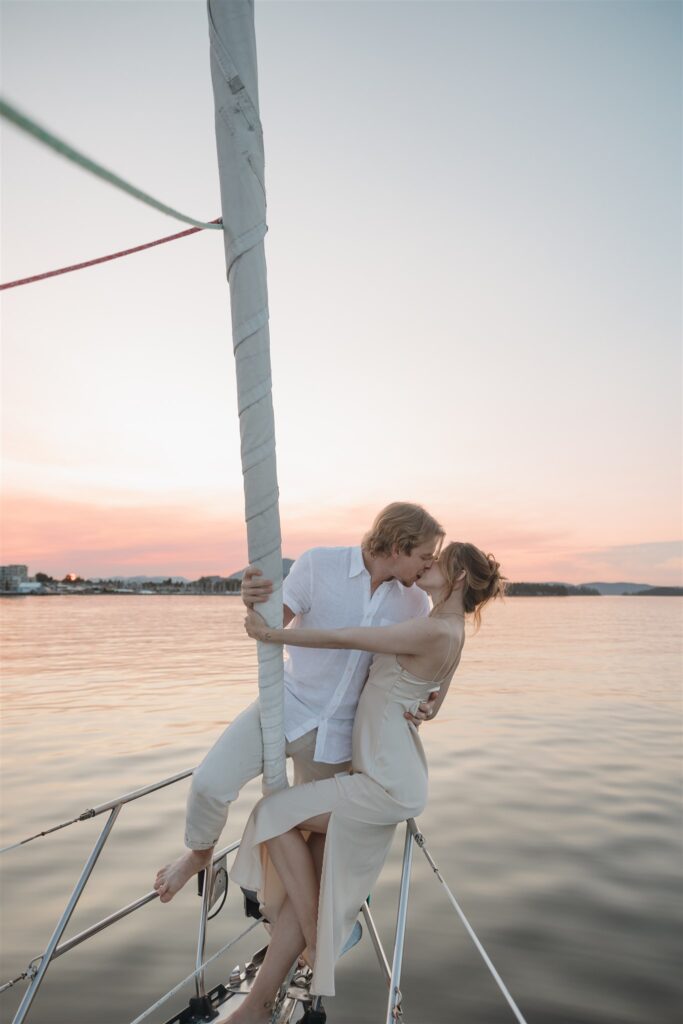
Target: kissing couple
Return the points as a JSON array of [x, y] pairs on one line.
[[373, 636]]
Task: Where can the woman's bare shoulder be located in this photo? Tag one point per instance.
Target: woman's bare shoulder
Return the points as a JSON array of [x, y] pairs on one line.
[[431, 628], [449, 632]]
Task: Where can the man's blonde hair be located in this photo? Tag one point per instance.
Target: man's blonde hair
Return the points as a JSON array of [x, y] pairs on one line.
[[404, 526]]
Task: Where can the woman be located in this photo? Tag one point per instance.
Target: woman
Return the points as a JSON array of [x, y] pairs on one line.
[[319, 882]]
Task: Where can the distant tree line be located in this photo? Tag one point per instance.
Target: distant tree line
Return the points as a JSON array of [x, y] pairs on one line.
[[221, 584], [42, 577], [658, 592], [549, 590]]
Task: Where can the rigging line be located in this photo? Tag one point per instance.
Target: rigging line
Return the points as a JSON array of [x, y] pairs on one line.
[[92, 812], [43, 135], [14, 981], [104, 259], [46, 832], [177, 988], [420, 840], [486, 958]]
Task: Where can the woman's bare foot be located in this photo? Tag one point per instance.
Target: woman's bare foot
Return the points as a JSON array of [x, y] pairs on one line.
[[171, 878], [308, 956], [251, 1015]]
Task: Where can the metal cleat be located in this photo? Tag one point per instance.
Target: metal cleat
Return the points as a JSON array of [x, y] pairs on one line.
[[237, 976]]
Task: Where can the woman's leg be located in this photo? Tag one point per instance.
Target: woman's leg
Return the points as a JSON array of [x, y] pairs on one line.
[[294, 863], [286, 943]]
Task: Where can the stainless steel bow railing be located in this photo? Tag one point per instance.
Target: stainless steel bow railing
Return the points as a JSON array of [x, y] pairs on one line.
[[38, 967]]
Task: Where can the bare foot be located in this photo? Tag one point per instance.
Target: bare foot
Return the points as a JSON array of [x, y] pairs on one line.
[[171, 878], [244, 1015], [308, 956]]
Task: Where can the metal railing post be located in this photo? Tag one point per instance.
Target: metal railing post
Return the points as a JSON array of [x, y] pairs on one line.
[[401, 919], [377, 942], [201, 938], [46, 958]]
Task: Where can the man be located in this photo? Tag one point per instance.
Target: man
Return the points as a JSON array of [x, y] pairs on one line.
[[347, 586]]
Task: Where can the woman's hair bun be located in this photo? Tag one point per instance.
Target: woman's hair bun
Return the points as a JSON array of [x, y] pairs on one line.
[[495, 566]]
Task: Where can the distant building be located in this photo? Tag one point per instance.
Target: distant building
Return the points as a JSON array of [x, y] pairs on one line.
[[12, 576], [30, 587], [217, 585]]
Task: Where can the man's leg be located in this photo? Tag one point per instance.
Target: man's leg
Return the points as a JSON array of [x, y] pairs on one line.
[[235, 759], [305, 768]]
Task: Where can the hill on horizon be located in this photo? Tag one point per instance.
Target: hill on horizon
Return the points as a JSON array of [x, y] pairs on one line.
[[604, 588], [618, 588]]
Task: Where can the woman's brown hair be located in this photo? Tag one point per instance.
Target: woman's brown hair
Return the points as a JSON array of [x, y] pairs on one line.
[[483, 580]]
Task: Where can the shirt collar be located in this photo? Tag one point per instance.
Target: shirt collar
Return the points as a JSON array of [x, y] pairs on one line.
[[356, 563], [357, 566]]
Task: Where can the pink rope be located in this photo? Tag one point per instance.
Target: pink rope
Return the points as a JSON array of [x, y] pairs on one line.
[[104, 259]]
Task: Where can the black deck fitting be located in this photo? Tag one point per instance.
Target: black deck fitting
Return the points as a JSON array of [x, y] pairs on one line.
[[312, 1016]]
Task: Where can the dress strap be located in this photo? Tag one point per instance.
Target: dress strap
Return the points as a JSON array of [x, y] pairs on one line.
[[441, 675]]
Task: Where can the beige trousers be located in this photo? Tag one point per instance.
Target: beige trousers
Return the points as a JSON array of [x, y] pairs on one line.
[[235, 759]]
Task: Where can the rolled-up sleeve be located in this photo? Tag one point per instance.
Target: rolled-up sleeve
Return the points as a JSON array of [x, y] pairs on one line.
[[297, 589]]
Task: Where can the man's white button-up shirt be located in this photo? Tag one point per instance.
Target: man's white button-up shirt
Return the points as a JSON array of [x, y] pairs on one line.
[[329, 588]]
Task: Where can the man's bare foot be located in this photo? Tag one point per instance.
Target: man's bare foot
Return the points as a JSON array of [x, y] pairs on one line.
[[171, 878]]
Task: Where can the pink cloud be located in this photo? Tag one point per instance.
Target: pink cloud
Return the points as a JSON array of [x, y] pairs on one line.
[[207, 535], [57, 536]]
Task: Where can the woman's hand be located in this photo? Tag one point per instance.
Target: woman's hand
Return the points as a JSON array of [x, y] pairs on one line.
[[255, 625]]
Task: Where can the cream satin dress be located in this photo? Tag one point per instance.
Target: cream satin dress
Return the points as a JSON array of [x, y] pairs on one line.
[[387, 784]]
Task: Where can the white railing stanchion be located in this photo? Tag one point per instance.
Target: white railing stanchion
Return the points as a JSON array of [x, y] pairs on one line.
[[201, 937], [394, 1003], [46, 958]]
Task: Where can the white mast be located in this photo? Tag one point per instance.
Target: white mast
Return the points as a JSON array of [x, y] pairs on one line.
[[239, 140]]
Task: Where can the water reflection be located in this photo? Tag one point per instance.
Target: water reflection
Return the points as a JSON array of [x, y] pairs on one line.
[[554, 812]]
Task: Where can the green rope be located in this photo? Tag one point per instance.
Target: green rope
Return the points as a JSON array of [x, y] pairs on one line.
[[26, 124]]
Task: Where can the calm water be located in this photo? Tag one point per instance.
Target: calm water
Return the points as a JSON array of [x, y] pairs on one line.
[[554, 814]]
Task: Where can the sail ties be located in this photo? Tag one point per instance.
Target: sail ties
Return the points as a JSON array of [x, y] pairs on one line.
[[239, 143]]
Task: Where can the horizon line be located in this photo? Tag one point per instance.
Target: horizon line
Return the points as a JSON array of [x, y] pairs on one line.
[[171, 576]]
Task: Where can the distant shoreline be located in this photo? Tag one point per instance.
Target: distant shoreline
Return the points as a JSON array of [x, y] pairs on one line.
[[16, 581], [533, 591]]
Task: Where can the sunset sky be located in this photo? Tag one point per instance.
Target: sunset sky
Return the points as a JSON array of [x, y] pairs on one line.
[[474, 266]]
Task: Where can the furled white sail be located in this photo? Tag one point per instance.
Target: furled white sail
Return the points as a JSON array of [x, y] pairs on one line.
[[239, 140]]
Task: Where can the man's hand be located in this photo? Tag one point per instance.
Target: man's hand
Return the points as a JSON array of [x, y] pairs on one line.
[[255, 590], [426, 711]]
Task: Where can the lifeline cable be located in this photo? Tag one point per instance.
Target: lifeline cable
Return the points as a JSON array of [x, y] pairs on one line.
[[43, 135], [93, 812], [420, 840], [177, 988], [104, 259]]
